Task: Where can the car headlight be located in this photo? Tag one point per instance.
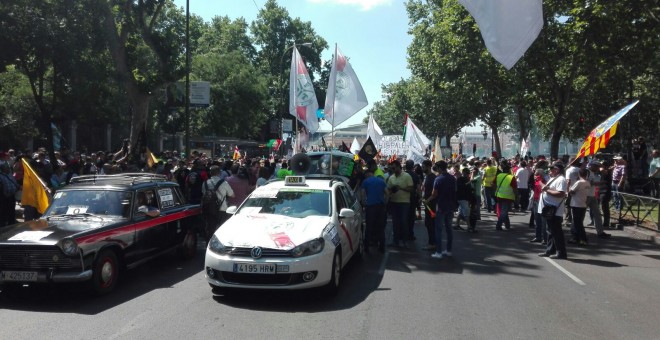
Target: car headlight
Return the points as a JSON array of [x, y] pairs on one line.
[[69, 247], [312, 247], [217, 247]]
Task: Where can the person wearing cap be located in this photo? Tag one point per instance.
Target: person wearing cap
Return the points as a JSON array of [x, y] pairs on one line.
[[400, 186], [554, 193], [619, 175]]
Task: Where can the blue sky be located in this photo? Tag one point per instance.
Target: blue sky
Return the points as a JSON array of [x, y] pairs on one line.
[[372, 33]]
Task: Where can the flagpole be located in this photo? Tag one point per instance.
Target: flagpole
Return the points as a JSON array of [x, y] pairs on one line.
[[333, 110]]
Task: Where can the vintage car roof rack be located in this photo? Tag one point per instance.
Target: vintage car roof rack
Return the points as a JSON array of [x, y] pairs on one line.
[[123, 178]]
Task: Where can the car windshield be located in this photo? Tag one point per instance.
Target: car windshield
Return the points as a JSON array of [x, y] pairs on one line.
[[292, 202], [95, 202]]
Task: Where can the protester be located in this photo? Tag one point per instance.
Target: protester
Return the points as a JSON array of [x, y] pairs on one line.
[[429, 216], [505, 194], [239, 185], [579, 192], [444, 192], [553, 195], [374, 188], [223, 192], [619, 177], [539, 222], [490, 171], [523, 173], [654, 171], [8, 188], [400, 186], [594, 179]]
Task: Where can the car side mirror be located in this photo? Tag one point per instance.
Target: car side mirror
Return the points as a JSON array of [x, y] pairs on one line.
[[346, 213], [232, 210]]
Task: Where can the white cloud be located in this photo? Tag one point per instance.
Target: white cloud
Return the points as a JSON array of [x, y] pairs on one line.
[[365, 5]]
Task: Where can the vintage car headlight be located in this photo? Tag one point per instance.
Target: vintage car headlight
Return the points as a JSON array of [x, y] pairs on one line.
[[217, 247], [312, 247], [69, 247]]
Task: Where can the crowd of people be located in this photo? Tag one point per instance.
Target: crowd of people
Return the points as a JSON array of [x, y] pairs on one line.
[[556, 193]]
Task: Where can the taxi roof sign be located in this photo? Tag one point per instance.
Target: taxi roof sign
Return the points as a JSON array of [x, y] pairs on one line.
[[294, 180]]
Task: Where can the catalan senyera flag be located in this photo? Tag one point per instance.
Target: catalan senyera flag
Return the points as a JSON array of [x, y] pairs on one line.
[[34, 190], [601, 135]]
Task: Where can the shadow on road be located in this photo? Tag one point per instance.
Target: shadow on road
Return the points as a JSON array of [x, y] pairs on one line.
[[360, 278], [162, 272]]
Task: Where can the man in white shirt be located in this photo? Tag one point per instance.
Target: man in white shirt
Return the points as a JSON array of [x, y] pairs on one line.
[[554, 194], [522, 177]]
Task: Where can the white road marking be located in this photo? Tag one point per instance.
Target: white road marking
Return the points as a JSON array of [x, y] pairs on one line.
[[381, 269], [573, 277]]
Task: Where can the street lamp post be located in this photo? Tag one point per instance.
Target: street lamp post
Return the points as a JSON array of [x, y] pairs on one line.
[[282, 106], [187, 109]]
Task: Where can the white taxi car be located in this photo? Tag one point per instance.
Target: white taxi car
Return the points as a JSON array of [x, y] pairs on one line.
[[291, 234]]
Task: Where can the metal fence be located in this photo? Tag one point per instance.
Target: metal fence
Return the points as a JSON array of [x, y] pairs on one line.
[[641, 211]]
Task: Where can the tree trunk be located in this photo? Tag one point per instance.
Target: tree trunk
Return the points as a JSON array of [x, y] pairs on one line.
[[496, 141], [523, 122], [139, 113]]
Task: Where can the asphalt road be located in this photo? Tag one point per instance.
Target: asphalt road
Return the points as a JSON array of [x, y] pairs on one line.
[[494, 287]]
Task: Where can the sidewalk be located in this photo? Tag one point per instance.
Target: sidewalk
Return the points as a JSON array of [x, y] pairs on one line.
[[521, 220]]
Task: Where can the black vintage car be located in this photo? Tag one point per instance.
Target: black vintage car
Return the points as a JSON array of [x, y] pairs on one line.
[[97, 226]]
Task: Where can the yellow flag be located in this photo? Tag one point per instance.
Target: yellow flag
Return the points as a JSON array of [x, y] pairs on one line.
[[34, 191], [151, 159]]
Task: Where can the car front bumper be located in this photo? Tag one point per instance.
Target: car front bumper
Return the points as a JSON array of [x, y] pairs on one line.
[[301, 273]]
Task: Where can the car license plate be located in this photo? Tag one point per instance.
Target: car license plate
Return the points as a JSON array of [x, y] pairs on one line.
[[18, 276], [255, 268]]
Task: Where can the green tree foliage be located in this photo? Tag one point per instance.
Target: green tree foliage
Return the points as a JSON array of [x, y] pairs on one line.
[[274, 31]]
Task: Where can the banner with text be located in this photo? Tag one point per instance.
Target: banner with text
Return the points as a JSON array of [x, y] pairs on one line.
[[393, 145]]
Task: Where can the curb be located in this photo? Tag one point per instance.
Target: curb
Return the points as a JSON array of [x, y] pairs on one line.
[[642, 234]]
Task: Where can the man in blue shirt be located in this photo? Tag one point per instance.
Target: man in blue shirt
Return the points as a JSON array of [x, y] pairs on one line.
[[374, 188], [444, 191]]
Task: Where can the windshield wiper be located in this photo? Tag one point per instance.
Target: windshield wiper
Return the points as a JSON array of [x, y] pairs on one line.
[[78, 215]]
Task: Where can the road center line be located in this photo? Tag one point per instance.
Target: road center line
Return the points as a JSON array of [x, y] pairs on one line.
[[580, 282], [381, 269]]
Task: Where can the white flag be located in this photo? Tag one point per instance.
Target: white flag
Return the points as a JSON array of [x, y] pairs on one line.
[[374, 131], [508, 27], [414, 137], [355, 146], [302, 98], [345, 96]]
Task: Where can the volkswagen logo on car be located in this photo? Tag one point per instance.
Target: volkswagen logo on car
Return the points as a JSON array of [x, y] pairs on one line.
[[256, 252]]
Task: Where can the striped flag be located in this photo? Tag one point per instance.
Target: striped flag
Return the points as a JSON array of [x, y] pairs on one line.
[[34, 190], [601, 135]]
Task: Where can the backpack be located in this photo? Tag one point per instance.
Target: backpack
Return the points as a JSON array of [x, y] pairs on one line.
[[210, 202]]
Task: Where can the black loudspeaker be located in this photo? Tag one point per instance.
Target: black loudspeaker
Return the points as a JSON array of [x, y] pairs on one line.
[[300, 164]]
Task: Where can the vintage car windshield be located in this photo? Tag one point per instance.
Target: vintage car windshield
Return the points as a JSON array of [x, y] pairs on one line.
[[292, 202], [96, 202]]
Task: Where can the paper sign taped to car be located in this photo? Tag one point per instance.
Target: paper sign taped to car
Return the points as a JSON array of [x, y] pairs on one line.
[[30, 236]]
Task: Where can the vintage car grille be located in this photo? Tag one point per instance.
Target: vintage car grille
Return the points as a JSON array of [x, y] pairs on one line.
[[266, 252], [28, 257]]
